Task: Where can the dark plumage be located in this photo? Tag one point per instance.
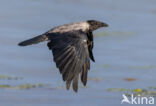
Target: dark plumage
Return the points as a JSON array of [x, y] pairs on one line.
[[71, 45]]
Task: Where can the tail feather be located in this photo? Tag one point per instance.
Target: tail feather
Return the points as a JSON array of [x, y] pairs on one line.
[[34, 40]]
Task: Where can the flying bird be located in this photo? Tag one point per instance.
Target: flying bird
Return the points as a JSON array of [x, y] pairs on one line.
[[71, 46]]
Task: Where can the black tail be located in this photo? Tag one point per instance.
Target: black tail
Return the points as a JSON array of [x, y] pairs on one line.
[[34, 40]]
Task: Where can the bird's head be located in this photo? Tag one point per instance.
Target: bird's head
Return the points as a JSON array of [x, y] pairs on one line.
[[93, 24]]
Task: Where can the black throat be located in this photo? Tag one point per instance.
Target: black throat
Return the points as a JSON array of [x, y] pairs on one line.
[[90, 35]]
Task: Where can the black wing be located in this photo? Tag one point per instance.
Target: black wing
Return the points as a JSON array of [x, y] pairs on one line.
[[90, 45], [70, 51]]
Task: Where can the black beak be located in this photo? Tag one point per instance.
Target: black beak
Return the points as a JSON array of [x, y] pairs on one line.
[[104, 25]]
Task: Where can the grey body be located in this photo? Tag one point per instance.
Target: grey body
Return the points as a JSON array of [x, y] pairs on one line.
[[71, 45]]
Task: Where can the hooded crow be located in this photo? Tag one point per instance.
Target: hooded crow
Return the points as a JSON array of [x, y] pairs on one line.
[[71, 45]]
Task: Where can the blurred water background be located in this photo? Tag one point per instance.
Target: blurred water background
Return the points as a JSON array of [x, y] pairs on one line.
[[124, 50]]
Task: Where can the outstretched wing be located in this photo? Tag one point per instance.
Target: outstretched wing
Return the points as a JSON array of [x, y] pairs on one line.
[[90, 45], [70, 51]]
